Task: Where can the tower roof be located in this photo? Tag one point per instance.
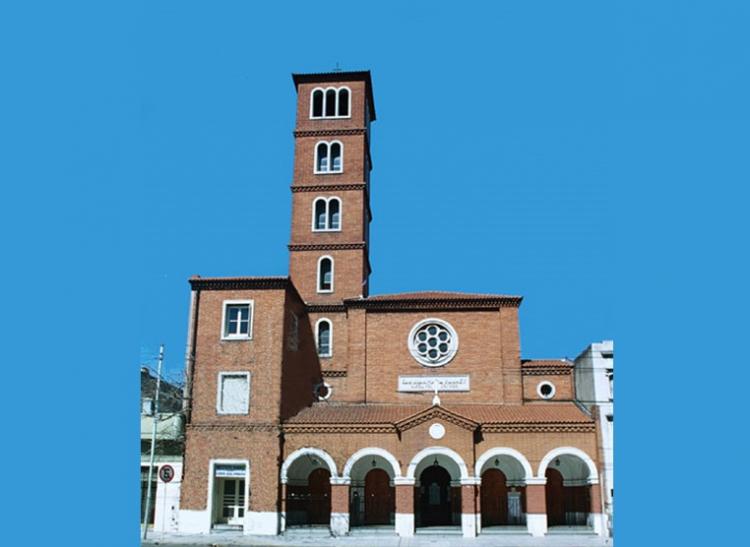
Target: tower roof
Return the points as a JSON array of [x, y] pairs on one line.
[[338, 76]]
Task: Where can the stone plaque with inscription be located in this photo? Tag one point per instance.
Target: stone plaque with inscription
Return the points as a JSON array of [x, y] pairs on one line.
[[429, 383]]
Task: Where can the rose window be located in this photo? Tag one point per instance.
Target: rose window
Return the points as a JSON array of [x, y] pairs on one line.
[[433, 342]]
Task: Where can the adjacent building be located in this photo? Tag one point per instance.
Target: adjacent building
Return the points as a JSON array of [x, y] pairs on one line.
[[311, 403], [594, 373], [167, 473]]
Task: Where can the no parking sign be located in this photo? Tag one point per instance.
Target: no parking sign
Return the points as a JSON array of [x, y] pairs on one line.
[[166, 473]]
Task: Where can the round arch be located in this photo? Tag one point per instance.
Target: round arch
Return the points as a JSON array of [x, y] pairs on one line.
[[569, 451], [371, 451], [437, 451], [503, 451], [322, 454]]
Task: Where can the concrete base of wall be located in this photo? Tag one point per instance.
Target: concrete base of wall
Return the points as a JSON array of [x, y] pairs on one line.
[[261, 523], [405, 524], [339, 524], [469, 525], [194, 522], [536, 524]]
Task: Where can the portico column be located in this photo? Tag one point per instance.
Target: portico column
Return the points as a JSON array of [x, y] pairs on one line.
[[404, 506], [596, 516], [339, 506], [469, 489], [536, 506]]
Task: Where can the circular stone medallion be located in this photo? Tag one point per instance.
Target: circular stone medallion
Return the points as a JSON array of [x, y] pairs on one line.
[[437, 431]]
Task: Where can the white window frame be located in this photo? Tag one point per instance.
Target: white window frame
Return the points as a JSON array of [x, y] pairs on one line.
[[327, 201], [219, 377], [224, 305], [336, 106], [333, 275], [330, 341], [546, 383], [330, 170]]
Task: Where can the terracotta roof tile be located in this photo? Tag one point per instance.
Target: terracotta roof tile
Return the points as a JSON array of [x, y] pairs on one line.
[[326, 413]]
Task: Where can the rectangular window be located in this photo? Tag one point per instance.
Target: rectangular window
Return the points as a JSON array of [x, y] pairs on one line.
[[238, 320], [233, 393]]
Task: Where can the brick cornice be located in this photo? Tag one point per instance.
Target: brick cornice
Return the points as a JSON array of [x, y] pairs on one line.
[[328, 187], [339, 428], [538, 427], [329, 132], [434, 304], [222, 283], [234, 427], [326, 246], [325, 308], [547, 371], [333, 373]]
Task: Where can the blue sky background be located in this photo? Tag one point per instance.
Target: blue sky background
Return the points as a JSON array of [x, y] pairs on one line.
[[590, 156]]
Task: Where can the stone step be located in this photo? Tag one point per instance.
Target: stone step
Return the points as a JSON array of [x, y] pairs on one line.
[[307, 531]]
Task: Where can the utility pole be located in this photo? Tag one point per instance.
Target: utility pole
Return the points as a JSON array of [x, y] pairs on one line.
[[154, 419]]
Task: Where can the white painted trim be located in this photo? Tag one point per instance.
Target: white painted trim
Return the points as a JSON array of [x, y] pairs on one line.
[[536, 480], [194, 521], [327, 200], [219, 377], [452, 347], [261, 523], [403, 481], [503, 451], [542, 384], [405, 524], [320, 453], [470, 481], [336, 103], [333, 271], [570, 451], [330, 337], [224, 335], [329, 158], [212, 463], [437, 451], [372, 451]]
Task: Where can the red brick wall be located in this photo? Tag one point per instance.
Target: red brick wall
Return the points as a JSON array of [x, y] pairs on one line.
[[352, 227], [563, 387], [347, 274]]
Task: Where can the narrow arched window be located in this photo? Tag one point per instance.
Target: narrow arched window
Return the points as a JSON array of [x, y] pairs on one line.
[[324, 336], [317, 103], [321, 160], [335, 162], [325, 274], [320, 214], [334, 214], [330, 103], [343, 109]]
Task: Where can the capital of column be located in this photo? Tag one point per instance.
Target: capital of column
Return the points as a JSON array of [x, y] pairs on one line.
[[340, 480], [471, 481], [403, 481], [536, 480]]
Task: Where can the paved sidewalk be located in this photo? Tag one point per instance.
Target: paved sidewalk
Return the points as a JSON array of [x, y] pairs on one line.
[[220, 539]]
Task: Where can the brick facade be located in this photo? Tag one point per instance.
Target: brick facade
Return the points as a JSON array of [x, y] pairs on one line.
[[309, 414]]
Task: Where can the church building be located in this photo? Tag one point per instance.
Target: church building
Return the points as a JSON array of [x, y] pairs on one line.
[[312, 404]]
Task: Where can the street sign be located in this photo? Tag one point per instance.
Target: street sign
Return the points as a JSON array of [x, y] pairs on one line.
[[166, 473]]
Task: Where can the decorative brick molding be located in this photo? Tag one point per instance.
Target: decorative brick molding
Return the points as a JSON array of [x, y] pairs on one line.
[[330, 132], [535, 428], [333, 373], [456, 304], [338, 428], [328, 187], [234, 427], [436, 413], [546, 371], [325, 308], [224, 283], [327, 246]]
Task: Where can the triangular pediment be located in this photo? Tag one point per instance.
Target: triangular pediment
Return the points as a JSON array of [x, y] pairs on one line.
[[436, 412]]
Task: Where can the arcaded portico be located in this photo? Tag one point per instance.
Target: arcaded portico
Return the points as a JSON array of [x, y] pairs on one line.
[[314, 405]]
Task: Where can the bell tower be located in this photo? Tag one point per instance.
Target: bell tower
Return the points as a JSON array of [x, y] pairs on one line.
[[329, 247]]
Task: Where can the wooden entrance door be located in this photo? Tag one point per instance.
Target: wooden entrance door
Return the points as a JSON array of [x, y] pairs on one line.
[[555, 494], [378, 497], [494, 499], [319, 503], [435, 503]]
